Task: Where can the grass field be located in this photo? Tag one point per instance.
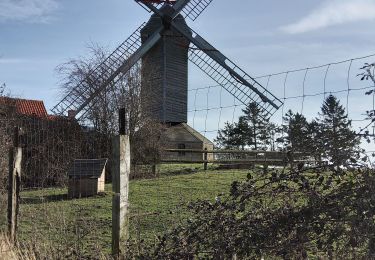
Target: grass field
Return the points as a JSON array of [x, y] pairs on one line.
[[83, 226]]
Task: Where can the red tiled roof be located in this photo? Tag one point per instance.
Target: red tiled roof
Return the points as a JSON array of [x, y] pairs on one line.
[[28, 107]]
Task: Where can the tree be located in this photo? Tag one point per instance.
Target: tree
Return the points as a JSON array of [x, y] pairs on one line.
[[251, 130], [234, 136], [260, 128], [299, 132], [102, 115], [5, 141], [2, 89], [368, 74], [103, 112], [337, 141]]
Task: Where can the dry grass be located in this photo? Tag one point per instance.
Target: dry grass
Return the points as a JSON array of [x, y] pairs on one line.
[[31, 250], [6, 249]]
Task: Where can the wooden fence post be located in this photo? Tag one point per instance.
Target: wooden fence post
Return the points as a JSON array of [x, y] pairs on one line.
[[120, 186], [205, 158], [14, 184]]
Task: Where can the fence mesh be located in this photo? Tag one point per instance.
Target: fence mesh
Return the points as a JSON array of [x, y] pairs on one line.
[[63, 164], [60, 170]]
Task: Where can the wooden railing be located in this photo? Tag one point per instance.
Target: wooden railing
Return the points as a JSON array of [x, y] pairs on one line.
[[249, 157]]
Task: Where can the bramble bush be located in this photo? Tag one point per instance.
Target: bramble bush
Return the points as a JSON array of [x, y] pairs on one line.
[[287, 214]]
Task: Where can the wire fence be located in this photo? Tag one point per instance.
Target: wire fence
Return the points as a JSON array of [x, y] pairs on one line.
[[301, 90], [65, 199], [163, 201], [61, 168]]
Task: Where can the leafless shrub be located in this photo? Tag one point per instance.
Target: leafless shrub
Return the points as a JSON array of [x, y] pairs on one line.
[[49, 147], [6, 129]]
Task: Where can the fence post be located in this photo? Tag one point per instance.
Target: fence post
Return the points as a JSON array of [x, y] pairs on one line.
[[153, 169], [120, 185], [14, 183], [205, 158]]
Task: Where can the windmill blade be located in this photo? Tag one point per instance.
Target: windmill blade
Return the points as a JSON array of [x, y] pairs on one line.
[[191, 9], [120, 61], [227, 74], [195, 8]]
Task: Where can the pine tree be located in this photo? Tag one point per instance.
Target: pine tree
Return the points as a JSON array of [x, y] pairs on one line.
[[260, 128], [335, 139], [234, 136], [299, 132]]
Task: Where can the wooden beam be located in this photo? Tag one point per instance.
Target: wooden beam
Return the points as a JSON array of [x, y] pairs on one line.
[[232, 152], [205, 158], [260, 160]]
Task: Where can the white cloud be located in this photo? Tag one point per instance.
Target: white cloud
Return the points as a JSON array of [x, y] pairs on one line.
[[27, 10], [334, 12]]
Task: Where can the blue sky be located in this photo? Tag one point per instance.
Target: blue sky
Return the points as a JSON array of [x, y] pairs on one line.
[[261, 36]]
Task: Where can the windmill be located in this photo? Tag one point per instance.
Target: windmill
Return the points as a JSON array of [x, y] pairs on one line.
[[167, 43]]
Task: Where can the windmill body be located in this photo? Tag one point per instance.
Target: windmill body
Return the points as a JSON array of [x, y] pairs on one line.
[[165, 70], [164, 45]]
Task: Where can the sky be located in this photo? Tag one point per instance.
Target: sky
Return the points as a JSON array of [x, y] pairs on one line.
[[262, 37]]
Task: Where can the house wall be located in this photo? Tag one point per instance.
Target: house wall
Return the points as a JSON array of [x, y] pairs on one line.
[[82, 187]]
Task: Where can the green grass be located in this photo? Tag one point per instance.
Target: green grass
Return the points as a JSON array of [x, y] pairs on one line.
[[83, 226]]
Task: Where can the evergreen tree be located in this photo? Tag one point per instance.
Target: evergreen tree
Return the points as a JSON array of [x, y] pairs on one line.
[[335, 140], [234, 136], [299, 132], [260, 129]]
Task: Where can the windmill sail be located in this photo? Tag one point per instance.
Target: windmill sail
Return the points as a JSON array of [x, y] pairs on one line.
[[232, 78], [169, 24], [227, 74], [120, 61], [191, 9], [195, 8]]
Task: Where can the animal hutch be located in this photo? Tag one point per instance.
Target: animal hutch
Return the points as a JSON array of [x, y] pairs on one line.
[[86, 177]]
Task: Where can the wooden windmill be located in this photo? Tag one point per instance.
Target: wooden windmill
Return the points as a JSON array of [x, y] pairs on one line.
[[166, 43]]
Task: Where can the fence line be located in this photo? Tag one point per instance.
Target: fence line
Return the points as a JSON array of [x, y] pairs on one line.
[[210, 113], [80, 227]]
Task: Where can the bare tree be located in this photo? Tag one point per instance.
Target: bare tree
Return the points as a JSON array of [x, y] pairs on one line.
[[125, 92], [2, 89]]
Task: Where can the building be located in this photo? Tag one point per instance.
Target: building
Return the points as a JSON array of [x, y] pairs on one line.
[[25, 107], [182, 136], [165, 71], [86, 177]]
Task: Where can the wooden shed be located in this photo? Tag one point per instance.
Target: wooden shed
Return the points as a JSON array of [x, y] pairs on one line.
[[182, 136], [86, 177]]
